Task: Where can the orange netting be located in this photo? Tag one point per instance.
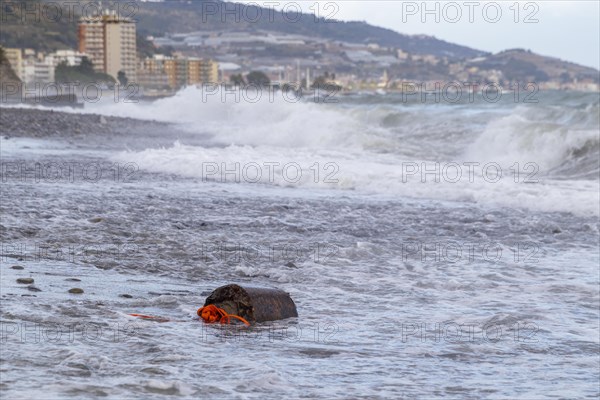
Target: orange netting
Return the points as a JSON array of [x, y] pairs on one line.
[[211, 314]]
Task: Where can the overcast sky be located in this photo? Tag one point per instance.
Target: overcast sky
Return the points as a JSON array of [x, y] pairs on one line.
[[569, 30]]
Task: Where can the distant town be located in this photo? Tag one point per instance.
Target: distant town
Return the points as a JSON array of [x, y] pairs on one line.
[[108, 54]]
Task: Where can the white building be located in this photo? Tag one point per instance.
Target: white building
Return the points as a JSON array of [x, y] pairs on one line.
[[71, 57], [40, 68], [36, 71]]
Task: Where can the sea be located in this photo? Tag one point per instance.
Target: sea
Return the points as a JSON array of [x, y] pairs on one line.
[[435, 247]]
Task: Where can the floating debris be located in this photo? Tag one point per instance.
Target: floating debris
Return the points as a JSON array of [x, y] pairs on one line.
[[253, 304]]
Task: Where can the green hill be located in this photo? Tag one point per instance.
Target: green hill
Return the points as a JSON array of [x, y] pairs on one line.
[[175, 16], [38, 32], [181, 16]]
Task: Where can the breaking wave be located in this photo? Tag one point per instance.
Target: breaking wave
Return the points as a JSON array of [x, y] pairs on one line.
[[373, 144]]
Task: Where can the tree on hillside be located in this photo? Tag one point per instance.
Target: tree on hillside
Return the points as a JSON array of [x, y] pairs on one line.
[[258, 78], [86, 66], [326, 83], [319, 82], [122, 78], [83, 72], [565, 77], [237, 80]]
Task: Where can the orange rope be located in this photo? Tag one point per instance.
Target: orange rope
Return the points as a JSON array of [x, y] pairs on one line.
[[211, 314], [150, 317]]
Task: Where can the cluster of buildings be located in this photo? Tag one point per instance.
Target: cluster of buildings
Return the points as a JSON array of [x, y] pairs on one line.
[[109, 42], [163, 73], [37, 67]]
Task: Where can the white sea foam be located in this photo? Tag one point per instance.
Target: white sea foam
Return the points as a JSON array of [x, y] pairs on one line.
[[531, 135], [363, 147], [368, 147]]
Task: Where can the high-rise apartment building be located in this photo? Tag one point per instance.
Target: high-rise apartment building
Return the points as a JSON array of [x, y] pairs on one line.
[[110, 43]]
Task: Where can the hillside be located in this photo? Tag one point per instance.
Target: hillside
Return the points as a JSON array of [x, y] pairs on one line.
[[7, 75], [10, 88], [44, 34], [522, 65], [176, 16], [325, 45]]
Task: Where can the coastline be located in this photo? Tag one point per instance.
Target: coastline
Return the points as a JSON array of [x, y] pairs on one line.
[[35, 123]]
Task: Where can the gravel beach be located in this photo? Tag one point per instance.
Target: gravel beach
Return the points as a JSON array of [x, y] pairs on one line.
[[87, 130]]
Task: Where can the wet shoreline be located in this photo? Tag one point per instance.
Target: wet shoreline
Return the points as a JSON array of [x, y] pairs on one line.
[[362, 288]]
